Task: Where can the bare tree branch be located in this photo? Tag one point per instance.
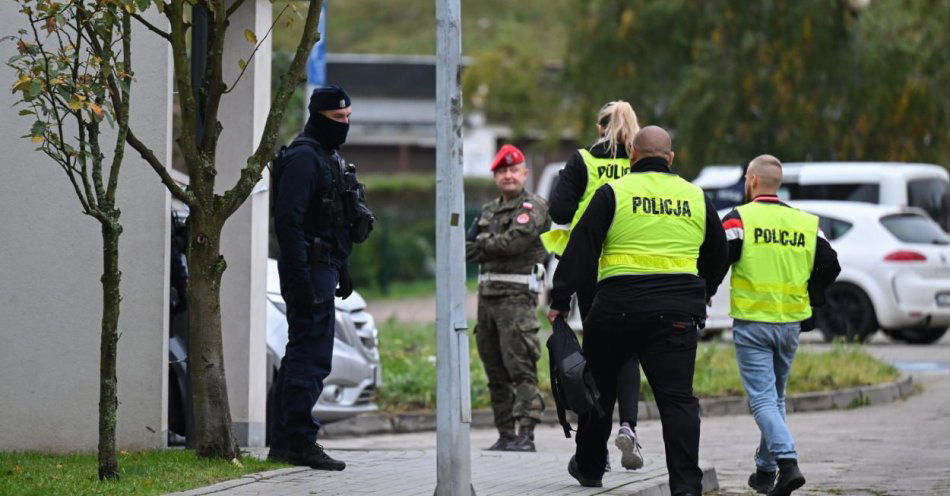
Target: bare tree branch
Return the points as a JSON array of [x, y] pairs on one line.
[[149, 156], [153, 28], [234, 7], [122, 113], [250, 59], [233, 198]]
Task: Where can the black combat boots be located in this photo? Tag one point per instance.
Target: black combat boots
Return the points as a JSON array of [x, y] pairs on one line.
[[505, 438], [525, 440], [311, 455], [789, 477], [762, 481]]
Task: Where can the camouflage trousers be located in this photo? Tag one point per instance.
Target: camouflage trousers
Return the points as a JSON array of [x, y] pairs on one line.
[[508, 345]]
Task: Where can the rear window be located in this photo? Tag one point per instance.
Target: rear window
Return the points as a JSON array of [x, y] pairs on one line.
[[913, 228], [933, 196], [859, 192], [833, 228]]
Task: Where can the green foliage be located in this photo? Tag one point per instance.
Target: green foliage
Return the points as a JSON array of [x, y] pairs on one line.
[[407, 352], [402, 246], [802, 80], [144, 472]]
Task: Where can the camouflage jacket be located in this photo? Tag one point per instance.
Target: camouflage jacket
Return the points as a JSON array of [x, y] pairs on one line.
[[504, 239]]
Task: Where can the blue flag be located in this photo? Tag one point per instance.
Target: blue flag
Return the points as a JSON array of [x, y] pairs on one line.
[[317, 62]]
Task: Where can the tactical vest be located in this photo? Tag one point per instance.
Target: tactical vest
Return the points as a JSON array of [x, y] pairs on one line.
[[770, 280], [600, 171], [658, 226]]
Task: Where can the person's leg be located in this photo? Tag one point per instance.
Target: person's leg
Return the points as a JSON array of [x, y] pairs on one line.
[[600, 349], [517, 323], [308, 358], [668, 357], [786, 346], [755, 344], [499, 383], [628, 391]]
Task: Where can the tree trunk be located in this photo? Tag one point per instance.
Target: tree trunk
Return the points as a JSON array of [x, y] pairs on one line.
[[215, 438], [108, 465]]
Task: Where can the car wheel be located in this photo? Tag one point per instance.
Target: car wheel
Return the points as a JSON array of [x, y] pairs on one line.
[[924, 335], [848, 314]]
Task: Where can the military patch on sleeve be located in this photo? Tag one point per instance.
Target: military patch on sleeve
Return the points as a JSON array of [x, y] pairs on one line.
[[527, 206], [523, 219]]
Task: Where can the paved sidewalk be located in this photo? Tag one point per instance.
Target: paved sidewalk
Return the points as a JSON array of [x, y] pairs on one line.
[[404, 465]]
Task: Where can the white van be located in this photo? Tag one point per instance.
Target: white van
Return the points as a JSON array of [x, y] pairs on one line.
[[924, 186]]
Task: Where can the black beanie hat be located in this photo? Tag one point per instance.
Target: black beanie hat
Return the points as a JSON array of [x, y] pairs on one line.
[[328, 98]]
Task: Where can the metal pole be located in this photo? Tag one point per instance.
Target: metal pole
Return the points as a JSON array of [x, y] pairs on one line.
[[453, 394]]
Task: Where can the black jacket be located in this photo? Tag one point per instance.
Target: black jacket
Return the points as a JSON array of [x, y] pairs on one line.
[[636, 293], [823, 273], [571, 183], [305, 177]]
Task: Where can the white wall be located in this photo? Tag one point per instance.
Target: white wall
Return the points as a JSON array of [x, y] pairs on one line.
[[50, 264], [244, 241]]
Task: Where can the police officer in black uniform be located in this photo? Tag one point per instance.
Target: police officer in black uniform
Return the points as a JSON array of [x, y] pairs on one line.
[[319, 212]]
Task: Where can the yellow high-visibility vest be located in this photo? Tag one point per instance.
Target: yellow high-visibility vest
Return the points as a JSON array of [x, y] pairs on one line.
[[600, 171], [658, 226], [770, 280]]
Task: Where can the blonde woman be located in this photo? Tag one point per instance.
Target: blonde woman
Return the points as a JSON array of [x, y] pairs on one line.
[[587, 170]]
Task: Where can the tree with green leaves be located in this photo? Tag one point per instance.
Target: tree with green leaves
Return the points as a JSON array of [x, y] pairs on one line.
[[200, 97], [73, 68]]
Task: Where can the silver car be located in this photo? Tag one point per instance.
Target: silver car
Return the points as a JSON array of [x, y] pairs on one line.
[[350, 388]]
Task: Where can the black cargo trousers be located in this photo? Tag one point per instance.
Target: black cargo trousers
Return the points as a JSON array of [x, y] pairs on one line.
[[666, 345]]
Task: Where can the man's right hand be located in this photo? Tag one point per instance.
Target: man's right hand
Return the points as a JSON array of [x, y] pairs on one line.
[[554, 314]]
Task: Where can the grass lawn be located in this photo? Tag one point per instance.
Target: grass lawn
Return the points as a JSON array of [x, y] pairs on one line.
[[408, 358], [413, 289], [145, 472]]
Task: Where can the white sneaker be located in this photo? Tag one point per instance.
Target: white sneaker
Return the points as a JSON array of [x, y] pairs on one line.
[[629, 445]]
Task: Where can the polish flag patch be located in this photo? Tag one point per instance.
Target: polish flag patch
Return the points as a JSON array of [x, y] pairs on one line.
[[527, 206]]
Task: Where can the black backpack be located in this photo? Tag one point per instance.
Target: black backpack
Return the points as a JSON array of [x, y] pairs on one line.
[[571, 383], [277, 168]]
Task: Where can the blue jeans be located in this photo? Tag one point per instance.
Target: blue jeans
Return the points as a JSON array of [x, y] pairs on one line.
[[765, 352]]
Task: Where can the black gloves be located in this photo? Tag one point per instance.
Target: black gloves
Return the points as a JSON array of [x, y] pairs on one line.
[[300, 293], [473, 229], [809, 323], [346, 284]]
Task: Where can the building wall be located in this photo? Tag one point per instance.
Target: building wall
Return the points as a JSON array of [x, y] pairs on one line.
[[51, 261]]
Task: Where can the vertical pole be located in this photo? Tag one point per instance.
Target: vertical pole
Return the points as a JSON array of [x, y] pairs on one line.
[[453, 394]]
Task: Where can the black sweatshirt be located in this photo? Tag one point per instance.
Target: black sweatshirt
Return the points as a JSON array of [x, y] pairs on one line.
[[572, 182], [636, 293], [823, 273]]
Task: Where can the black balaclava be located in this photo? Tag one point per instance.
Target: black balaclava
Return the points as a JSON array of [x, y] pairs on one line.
[[330, 133]]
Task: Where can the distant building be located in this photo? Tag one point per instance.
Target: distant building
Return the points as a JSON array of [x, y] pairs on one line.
[[393, 127]]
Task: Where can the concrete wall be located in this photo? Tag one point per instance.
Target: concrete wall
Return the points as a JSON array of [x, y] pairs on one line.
[[50, 264], [244, 241]]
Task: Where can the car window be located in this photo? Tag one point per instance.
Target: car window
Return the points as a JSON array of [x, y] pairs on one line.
[[859, 192], [914, 228], [933, 196], [833, 228]]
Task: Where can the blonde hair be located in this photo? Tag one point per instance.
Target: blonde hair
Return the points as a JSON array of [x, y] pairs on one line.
[[620, 126]]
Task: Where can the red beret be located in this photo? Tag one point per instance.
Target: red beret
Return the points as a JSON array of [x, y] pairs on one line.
[[508, 155]]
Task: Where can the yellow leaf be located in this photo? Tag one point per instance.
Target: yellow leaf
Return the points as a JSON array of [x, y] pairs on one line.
[[96, 109], [37, 139], [242, 64], [75, 103], [251, 37], [237, 463]]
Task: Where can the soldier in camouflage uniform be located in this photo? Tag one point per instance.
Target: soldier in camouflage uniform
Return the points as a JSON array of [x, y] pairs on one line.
[[504, 239]]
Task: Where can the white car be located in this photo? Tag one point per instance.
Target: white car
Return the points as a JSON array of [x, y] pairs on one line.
[[895, 273], [349, 389], [925, 186]]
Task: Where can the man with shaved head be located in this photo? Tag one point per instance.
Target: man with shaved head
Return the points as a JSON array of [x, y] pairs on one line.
[[781, 266], [654, 243]]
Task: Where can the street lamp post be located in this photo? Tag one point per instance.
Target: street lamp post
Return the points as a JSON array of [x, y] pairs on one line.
[[453, 394]]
